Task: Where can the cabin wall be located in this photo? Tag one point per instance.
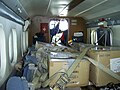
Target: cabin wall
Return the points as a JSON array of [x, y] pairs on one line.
[[116, 35], [75, 24], [35, 27], [8, 25]]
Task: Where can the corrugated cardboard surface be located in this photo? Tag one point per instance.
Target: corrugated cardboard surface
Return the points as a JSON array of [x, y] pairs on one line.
[[80, 76], [97, 76]]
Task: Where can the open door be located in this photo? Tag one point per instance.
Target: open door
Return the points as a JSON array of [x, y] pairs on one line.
[[59, 30], [45, 30]]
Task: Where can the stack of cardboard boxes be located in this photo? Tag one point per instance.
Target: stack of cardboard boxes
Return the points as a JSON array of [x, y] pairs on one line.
[[108, 58], [79, 77]]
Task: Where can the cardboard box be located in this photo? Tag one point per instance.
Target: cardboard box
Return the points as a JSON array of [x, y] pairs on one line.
[[79, 77], [99, 77]]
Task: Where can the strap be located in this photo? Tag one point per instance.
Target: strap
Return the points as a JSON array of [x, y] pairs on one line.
[[63, 79], [103, 68], [43, 76], [76, 62], [56, 76], [36, 83]]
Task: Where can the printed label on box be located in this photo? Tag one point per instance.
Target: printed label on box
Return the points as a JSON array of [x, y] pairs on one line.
[[115, 65]]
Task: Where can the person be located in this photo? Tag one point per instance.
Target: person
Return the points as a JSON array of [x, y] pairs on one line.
[[57, 39], [103, 34], [38, 37]]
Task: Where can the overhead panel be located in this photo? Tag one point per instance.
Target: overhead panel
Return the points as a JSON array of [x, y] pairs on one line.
[[59, 6], [74, 3], [108, 8], [83, 6], [44, 7], [9, 14], [88, 9], [16, 7], [91, 9], [35, 7]]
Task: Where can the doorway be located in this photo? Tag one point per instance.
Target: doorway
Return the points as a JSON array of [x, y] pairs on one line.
[[59, 30]]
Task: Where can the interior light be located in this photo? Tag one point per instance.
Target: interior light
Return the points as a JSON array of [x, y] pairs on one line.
[[63, 25], [64, 12], [53, 24], [19, 10]]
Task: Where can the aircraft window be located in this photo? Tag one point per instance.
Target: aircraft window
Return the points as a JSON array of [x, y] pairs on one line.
[[53, 24], [0, 57], [26, 38], [63, 25], [14, 46], [10, 48], [2, 52], [24, 42], [59, 28]]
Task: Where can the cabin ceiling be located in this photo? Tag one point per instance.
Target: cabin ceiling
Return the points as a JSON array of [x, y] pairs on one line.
[[88, 9]]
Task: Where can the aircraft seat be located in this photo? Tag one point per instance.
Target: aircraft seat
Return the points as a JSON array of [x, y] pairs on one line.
[[17, 83]]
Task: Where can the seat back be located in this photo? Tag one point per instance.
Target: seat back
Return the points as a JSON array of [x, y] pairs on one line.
[[16, 83]]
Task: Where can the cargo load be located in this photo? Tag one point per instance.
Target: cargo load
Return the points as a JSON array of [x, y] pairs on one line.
[[79, 77], [110, 58]]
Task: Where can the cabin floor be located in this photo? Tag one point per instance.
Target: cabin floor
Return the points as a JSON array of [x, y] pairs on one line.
[[77, 88], [91, 87]]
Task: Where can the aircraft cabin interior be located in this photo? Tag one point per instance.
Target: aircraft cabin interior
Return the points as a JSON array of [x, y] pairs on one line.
[[59, 44]]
